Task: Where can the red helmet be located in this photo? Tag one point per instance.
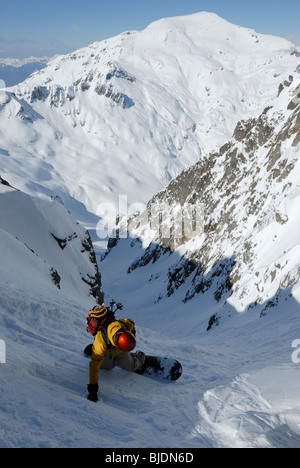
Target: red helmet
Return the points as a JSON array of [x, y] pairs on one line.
[[125, 340]]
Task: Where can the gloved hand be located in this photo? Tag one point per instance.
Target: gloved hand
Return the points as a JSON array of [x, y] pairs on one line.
[[93, 392]]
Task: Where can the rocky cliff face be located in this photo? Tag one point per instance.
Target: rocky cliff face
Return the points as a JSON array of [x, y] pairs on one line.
[[230, 223]]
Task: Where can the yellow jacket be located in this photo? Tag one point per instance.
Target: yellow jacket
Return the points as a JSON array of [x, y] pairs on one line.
[[100, 347]]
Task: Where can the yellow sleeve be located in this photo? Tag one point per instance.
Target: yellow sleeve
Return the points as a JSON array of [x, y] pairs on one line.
[[95, 364]]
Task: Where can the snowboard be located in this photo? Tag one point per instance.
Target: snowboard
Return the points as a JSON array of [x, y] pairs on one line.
[[161, 368]]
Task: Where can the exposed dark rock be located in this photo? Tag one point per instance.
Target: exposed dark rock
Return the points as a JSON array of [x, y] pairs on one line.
[[55, 277], [40, 93], [94, 281]]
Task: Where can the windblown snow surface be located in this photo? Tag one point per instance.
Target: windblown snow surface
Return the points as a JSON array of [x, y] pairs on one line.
[[241, 380]]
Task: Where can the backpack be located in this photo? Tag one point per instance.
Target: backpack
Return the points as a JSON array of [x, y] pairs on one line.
[[99, 317]]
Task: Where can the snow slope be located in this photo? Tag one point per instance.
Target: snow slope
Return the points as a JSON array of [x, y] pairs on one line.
[[52, 247], [240, 382], [224, 399], [239, 387]]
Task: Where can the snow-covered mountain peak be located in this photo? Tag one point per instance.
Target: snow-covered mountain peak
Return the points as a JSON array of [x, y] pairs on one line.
[[203, 34]]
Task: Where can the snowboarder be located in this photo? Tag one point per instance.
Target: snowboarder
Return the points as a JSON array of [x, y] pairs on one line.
[[113, 344]]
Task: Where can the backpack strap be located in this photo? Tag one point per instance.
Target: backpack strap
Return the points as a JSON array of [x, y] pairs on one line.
[[103, 329], [105, 337]]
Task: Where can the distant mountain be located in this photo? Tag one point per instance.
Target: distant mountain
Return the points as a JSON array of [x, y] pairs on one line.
[[14, 71], [126, 115]]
